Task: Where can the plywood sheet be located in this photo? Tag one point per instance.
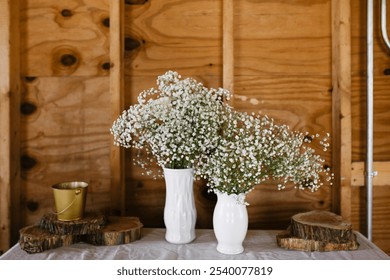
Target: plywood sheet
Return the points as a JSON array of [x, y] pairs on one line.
[[301, 102], [64, 38], [65, 139], [282, 54], [185, 36], [282, 37], [381, 214], [381, 115]]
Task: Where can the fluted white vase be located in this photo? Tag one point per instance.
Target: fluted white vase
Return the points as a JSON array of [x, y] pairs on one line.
[[230, 222], [179, 210]]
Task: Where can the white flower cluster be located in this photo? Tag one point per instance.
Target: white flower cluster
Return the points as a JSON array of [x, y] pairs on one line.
[[183, 124], [237, 164], [177, 123], [252, 149]]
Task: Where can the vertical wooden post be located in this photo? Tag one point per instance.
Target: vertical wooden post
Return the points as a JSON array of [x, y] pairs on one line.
[[9, 123], [341, 106], [117, 98], [228, 45]]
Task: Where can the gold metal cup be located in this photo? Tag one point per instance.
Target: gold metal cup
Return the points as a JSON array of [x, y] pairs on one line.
[[70, 198]]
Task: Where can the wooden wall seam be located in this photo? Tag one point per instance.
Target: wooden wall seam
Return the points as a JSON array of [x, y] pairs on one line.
[[5, 187], [117, 98], [228, 44], [341, 106], [9, 123], [382, 179]]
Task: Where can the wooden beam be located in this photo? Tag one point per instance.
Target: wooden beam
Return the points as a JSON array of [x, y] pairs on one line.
[[228, 45], [9, 123], [117, 98], [358, 177], [341, 106]]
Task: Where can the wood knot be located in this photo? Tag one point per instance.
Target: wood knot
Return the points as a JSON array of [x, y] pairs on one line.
[[68, 59], [308, 138], [106, 22], [326, 166], [131, 44], [65, 60], [386, 72], [27, 162], [66, 13], [30, 79], [27, 108], [106, 66], [135, 2], [32, 205]]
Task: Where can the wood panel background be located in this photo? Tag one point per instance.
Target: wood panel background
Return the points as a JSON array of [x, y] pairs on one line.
[[381, 186], [282, 54], [10, 220], [282, 68], [65, 118], [285, 60], [185, 36]]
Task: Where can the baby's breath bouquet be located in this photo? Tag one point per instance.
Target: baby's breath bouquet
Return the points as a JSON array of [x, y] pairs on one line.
[[176, 123], [252, 149], [182, 124]]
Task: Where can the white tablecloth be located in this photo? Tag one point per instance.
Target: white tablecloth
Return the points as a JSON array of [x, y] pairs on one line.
[[259, 244]]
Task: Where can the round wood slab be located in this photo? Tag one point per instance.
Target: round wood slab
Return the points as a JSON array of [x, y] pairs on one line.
[[321, 226], [318, 231], [34, 239], [89, 224], [51, 233], [119, 230]]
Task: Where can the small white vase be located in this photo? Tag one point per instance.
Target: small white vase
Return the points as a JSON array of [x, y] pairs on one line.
[[179, 210], [230, 221]]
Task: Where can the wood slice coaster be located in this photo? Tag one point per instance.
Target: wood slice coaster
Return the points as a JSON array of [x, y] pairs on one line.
[[89, 224], [321, 226], [34, 239], [318, 231], [119, 230], [95, 229], [287, 241]]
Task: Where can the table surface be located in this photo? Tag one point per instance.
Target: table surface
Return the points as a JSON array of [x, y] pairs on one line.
[[258, 244]]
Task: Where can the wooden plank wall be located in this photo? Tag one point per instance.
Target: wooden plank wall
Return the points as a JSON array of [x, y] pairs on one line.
[[185, 36], [117, 83], [381, 185], [65, 119], [9, 123], [293, 60], [282, 58], [341, 107], [282, 67]]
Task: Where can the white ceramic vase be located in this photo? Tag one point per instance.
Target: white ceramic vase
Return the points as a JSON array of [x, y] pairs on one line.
[[230, 221], [179, 210]]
